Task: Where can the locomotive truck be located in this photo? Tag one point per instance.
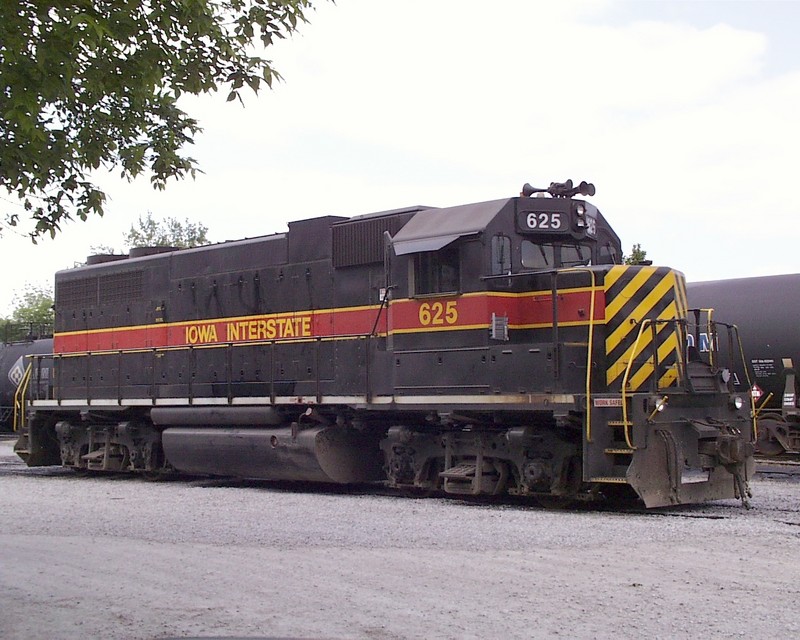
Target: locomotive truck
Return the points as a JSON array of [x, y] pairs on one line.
[[490, 348], [767, 311]]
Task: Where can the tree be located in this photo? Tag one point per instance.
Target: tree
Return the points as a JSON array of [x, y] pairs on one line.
[[637, 256], [95, 83], [33, 315], [169, 232], [35, 306]]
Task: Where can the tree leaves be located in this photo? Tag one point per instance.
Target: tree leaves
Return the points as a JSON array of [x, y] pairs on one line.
[[637, 256], [94, 83], [169, 232], [33, 306]]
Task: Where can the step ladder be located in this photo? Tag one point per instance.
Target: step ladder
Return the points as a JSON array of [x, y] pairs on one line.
[[618, 453], [472, 477]]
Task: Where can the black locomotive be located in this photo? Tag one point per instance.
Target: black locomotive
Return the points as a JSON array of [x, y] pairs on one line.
[[767, 311], [491, 348]]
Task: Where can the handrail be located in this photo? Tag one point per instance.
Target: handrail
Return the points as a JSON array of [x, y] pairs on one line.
[[589, 348], [760, 407], [645, 323], [214, 345], [625, 424], [19, 397], [753, 411], [712, 332], [228, 346], [712, 335]]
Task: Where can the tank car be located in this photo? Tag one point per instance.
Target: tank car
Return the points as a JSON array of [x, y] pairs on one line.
[[490, 348], [767, 310], [14, 363]]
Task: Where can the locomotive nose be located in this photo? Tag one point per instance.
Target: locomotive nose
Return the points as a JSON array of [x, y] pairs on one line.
[[694, 455]]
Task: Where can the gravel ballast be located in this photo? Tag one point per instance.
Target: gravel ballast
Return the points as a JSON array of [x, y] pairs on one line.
[[123, 558]]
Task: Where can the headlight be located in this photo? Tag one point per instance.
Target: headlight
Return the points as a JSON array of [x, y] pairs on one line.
[[580, 215], [659, 404], [737, 402]]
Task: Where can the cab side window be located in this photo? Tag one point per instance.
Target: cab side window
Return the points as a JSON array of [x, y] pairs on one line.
[[437, 271], [607, 253], [501, 255]]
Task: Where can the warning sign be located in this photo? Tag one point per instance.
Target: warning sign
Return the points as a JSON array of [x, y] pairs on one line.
[[607, 402], [16, 372], [756, 392]]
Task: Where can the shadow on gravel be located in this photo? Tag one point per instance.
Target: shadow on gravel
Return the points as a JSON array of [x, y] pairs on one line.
[[12, 466]]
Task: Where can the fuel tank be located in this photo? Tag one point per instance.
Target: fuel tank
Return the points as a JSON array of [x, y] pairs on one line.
[[317, 453]]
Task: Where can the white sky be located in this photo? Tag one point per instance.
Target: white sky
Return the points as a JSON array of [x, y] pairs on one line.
[[685, 115]]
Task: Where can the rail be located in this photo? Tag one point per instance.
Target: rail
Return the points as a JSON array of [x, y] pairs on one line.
[[625, 422], [683, 378], [19, 399], [273, 348], [11, 332], [738, 348], [589, 340], [753, 410]]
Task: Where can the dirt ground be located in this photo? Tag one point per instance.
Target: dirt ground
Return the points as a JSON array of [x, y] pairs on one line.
[[123, 558]]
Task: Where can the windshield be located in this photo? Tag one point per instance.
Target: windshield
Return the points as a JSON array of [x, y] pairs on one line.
[[552, 255]]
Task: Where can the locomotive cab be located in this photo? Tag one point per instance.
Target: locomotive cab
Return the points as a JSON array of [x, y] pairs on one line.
[[472, 247], [591, 346]]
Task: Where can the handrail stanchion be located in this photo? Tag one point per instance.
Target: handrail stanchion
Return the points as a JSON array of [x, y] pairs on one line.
[[119, 377], [229, 371], [626, 375], [192, 370], [317, 343], [19, 399]]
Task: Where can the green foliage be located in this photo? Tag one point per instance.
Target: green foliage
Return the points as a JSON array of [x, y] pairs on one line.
[[169, 232], [94, 83], [33, 306], [637, 255]]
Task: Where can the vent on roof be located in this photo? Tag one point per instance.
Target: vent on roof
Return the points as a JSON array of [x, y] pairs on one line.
[[141, 252], [361, 241]]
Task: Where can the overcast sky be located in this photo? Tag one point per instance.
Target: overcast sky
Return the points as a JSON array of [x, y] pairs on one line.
[[685, 115]]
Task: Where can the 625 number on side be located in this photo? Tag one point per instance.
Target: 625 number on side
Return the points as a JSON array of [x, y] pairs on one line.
[[438, 313]]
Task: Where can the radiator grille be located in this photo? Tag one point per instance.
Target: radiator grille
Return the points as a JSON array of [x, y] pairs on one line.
[[120, 287], [362, 242], [76, 294], [112, 288]]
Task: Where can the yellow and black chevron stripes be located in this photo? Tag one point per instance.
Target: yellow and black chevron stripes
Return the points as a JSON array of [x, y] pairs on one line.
[[680, 295], [633, 294]]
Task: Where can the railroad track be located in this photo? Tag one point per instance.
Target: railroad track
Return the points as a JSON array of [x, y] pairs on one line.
[[780, 466]]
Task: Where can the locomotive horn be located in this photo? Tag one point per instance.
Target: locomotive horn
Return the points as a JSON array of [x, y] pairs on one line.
[[560, 187], [527, 190], [586, 188]]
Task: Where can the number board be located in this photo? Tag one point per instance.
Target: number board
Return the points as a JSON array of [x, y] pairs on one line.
[[544, 221]]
